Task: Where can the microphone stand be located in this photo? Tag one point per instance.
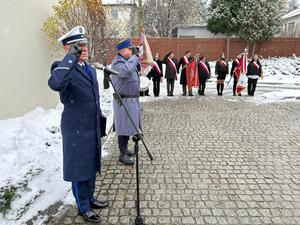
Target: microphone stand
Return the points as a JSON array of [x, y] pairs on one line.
[[136, 138]]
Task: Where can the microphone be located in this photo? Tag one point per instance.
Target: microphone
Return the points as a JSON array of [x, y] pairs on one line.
[[106, 69]]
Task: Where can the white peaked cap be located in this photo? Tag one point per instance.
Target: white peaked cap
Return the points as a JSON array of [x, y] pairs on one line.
[[77, 34]]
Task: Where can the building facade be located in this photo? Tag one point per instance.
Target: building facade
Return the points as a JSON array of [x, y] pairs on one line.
[[291, 24], [121, 17]]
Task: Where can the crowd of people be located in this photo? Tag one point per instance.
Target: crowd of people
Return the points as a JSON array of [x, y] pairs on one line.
[[222, 68]]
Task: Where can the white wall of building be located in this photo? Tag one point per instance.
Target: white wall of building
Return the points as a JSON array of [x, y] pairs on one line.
[[25, 58], [197, 32]]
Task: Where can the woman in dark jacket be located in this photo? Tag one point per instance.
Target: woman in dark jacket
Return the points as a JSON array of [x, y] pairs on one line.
[[156, 73], [253, 72], [221, 70]]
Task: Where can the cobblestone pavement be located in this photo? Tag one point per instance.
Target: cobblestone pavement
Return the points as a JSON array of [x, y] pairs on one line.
[[217, 161]]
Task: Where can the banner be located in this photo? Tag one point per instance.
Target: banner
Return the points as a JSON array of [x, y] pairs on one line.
[[240, 73], [192, 77], [145, 55]]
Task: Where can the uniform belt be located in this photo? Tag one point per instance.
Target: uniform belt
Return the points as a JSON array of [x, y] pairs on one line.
[[129, 96]]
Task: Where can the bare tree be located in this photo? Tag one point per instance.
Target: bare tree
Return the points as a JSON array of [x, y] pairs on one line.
[[162, 16]]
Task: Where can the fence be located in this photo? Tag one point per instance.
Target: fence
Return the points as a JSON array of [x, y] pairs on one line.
[[211, 48]]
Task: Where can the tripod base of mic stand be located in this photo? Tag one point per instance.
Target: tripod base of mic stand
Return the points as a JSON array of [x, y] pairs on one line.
[[139, 221]]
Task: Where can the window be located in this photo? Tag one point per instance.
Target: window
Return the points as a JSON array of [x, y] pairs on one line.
[[285, 28], [115, 13], [291, 29]]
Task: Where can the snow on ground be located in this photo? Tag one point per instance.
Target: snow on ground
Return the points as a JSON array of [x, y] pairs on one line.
[[31, 148], [31, 160], [286, 70]]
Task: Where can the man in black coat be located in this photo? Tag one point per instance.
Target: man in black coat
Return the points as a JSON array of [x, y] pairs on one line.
[[183, 62], [254, 71], [156, 73], [76, 82], [204, 74], [171, 71]]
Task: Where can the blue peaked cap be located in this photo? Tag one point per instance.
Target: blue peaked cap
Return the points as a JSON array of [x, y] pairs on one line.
[[124, 44]]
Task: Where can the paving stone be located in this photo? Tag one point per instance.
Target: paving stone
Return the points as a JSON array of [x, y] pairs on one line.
[[217, 160]]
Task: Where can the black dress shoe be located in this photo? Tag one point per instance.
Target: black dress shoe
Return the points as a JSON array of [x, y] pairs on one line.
[[90, 216], [99, 204], [126, 160]]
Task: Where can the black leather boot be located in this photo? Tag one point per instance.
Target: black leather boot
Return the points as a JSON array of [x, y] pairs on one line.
[[130, 153], [124, 158]]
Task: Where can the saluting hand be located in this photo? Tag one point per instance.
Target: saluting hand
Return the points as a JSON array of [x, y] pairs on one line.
[[75, 50]]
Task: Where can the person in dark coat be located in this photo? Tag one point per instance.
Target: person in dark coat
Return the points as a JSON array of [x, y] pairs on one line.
[[156, 74], [171, 71], [76, 82], [183, 62], [254, 71], [127, 84], [203, 73], [235, 63], [222, 71]]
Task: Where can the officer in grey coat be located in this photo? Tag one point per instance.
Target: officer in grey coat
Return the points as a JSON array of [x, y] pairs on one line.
[[76, 82], [128, 86]]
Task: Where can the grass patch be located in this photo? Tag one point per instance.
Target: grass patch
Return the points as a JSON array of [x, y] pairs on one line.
[[7, 195]]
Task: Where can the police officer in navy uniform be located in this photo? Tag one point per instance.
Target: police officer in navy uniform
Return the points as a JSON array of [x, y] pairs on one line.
[[127, 84], [76, 82]]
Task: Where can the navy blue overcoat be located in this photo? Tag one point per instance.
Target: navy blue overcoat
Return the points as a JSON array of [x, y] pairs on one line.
[[80, 119]]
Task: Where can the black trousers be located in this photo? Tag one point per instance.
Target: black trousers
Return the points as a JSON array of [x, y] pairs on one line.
[[251, 86], [170, 86], [202, 86], [156, 87], [235, 81], [123, 143]]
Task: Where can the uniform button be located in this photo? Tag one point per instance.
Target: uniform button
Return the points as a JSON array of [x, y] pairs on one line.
[[70, 61]]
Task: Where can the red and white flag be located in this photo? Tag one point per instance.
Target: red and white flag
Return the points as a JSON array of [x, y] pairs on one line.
[[240, 73], [145, 55]]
